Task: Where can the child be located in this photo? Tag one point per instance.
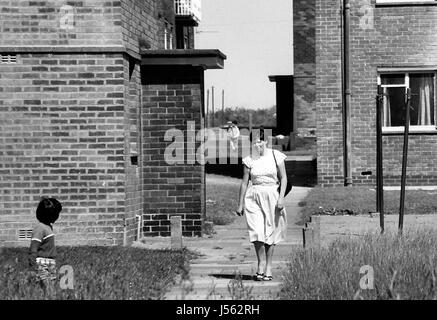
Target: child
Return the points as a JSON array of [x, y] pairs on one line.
[[42, 251]]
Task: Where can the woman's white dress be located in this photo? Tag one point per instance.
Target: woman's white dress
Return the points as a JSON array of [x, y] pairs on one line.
[[265, 222]]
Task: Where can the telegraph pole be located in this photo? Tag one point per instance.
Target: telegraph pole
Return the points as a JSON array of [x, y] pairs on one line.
[[207, 108], [212, 102], [223, 106]]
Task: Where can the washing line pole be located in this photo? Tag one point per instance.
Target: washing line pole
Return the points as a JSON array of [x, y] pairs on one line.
[[404, 161], [379, 172]]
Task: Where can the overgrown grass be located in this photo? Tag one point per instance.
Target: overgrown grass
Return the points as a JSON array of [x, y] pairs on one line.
[[114, 273], [404, 268], [221, 198], [362, 200]]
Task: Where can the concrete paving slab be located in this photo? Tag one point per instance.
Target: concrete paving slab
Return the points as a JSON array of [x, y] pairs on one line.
[[229, 251]]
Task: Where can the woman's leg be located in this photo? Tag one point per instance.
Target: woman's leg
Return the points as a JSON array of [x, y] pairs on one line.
[[259, 251], [269, 257]]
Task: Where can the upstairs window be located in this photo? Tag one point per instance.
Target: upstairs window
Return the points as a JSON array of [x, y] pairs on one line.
[[423, 99], [168, 37]]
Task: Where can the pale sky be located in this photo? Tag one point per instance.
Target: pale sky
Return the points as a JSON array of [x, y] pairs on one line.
[[257, 38]]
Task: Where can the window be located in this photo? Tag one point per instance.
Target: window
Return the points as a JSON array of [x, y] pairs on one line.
[[168, 36], [422, 86]]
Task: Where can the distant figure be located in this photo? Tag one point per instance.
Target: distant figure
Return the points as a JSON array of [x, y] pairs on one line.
[[42, 251], [262, 203], [233, 133]]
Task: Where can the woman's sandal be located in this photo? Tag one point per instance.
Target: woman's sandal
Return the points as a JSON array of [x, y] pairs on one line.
[[258, 276], [268, 278]]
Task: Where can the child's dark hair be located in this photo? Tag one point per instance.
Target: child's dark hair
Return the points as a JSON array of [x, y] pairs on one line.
[[259, 134], [48, 210]]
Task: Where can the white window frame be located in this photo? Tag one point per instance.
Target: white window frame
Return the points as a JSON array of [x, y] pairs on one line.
[[406, 72], [168, 37]]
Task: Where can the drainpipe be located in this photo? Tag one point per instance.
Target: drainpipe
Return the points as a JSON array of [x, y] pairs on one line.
[[346, 95]]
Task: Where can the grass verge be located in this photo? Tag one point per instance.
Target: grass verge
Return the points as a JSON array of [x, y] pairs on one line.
[[403, 268], [362, 200], [110, 273], [221, 198]]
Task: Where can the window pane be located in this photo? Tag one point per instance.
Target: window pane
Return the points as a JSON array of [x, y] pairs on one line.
[[422, 99], [394, 107], [393, 78]]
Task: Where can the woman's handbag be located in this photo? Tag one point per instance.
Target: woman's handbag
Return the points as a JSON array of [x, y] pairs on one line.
[[289, 185]]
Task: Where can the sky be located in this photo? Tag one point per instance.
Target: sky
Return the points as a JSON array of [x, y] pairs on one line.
[[257, 38]]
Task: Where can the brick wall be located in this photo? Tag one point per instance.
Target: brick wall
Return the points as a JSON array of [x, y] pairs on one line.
[[62, 135], [132, 73], [144, 23], [70, 123], [170, 101], [60, 22], [328, 93], [304, 65], [380, 37]]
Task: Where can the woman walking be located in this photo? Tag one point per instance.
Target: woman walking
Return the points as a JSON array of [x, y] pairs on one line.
[[262, 203]]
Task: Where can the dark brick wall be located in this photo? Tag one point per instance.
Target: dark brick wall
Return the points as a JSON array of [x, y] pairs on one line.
[[304, 65], [42, 23], [62, 135], [380, 37], [170, 100]]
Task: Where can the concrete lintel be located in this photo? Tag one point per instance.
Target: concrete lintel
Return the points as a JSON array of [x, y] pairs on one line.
[[205, 58], [280, 78]]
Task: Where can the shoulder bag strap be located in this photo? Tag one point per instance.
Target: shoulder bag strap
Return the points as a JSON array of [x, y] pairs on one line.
[[276, 164]]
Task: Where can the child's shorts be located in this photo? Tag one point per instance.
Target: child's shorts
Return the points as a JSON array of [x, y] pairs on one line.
[[46, 269]]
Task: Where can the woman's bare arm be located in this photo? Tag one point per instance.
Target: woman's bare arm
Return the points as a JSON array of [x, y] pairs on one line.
[[243, 189], [283, 179]]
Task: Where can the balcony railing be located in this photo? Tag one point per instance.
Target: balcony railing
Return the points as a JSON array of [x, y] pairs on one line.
[[189, 8]]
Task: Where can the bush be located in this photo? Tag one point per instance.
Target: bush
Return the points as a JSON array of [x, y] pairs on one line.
[[114, 273], [404, 268], [362, 200]]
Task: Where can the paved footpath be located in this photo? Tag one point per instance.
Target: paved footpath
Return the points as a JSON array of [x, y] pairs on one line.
[[228, 255]]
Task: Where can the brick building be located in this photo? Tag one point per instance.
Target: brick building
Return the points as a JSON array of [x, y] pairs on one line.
[[304, 76], [88, 89], [392, 43]]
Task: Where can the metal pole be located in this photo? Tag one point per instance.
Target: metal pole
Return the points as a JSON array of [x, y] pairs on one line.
[[223, 106], [212, 101], [207, 108], [404, 160], [347, 98], [379, 175]]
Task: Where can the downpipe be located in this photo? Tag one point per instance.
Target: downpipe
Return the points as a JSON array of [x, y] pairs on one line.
[[346, 95]]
